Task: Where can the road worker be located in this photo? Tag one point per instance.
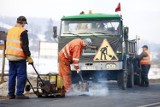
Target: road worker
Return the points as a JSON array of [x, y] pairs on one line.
[[71, 53], [145, 61], [17, 51]]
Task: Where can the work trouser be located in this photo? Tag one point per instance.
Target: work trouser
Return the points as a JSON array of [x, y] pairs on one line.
[[144, 75], [65, 72], [17, 69]]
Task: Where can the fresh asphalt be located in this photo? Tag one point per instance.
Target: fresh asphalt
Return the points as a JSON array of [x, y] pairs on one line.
[[113, 97]]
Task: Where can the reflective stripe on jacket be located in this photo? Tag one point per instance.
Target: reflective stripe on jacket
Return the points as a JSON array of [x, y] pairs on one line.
[[13, 43], [146, 60], [72, 51]]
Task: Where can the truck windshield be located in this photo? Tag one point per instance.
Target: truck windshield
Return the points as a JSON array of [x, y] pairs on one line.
[[90, 28]]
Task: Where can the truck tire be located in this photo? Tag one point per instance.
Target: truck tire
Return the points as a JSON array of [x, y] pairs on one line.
[[137, 72], [137, 79], [130, 82], [27, 88], [122, 80]]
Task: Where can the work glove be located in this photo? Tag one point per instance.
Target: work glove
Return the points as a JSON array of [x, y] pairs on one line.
[[30, 60], [78, 71]]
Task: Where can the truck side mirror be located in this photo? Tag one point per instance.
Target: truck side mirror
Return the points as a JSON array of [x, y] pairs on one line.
[[54, 31], [126, 31]]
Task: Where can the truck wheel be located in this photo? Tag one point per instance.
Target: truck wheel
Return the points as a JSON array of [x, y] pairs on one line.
[[130, 82], [122, 80], [27, 88], [137, 79]]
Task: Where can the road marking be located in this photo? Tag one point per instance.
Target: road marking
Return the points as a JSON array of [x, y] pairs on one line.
[[151, 105]]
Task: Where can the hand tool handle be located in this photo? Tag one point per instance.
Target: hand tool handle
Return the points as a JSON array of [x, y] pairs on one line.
[[81, 77]]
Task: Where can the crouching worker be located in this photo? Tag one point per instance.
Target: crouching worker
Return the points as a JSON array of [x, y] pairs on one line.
[[17, 52], [71, 52]]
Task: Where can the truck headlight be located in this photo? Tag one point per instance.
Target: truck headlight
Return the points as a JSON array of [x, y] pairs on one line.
[[110, 65]]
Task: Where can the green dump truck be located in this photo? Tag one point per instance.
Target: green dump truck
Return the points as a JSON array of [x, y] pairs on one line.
[[112, 57]]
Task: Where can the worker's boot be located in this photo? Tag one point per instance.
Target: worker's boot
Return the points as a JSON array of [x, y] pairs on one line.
[[11, 96], [21, 97], [142, 84], [146, 84]]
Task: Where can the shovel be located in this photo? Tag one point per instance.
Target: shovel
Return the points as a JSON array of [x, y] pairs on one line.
[[84, 84]]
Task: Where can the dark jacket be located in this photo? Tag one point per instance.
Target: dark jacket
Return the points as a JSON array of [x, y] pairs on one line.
[[25, 43], [143, 54]]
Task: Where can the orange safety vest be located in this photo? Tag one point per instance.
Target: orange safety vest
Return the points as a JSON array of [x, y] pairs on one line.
[[146, 60], [13, 43], [72, 51]]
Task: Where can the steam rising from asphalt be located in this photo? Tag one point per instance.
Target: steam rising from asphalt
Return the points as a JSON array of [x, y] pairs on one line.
[[98, 90], [95, 89]]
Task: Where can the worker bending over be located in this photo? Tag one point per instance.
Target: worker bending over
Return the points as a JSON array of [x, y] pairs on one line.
[[71, 53]]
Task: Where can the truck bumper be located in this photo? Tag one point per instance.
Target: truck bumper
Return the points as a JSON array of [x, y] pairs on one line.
[[99, 66]]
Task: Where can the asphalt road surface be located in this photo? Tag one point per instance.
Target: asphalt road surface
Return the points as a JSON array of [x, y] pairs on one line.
[[110, 96]]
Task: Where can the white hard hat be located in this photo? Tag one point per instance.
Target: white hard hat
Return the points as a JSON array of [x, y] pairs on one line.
[[88, 41]]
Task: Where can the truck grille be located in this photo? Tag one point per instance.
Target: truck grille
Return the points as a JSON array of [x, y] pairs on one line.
[[88, 54]]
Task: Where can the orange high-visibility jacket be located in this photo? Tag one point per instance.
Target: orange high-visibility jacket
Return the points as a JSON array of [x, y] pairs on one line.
[[13, 43], [146, 60], [72, 51]]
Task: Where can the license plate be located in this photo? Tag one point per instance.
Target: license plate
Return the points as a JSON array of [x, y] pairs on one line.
[[88, 68]]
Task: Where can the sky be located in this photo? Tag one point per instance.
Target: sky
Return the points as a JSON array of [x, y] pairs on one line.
[[141, 16]]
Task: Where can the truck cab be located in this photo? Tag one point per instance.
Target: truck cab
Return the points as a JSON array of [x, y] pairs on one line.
[[111, 55]]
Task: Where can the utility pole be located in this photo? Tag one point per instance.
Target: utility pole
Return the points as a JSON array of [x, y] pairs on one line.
[[3, 62], [137, 39], [3, 47]]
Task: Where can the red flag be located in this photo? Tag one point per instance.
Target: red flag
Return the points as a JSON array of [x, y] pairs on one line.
[[118, 8]]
